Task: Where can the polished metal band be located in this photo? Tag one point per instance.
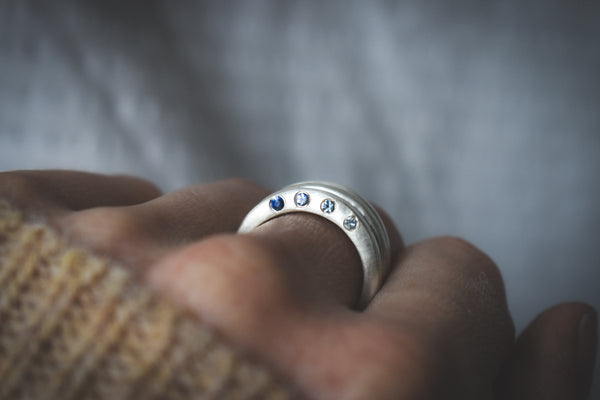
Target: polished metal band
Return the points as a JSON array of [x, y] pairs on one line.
[[340, 205]]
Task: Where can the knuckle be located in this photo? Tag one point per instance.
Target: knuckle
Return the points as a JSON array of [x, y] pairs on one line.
[[107, 230], [241, 283], [243, 182], [248, 271], [466, 254], [17, 187], [245, 186], [145, 188], [478, 279], [457, 244]]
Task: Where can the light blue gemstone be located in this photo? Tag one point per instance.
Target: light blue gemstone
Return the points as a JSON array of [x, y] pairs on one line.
[[327, 206], [277, 203], [350, 223], [301, 199]]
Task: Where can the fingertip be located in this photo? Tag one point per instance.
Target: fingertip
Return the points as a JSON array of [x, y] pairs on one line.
[[586, 348], [554, 356]]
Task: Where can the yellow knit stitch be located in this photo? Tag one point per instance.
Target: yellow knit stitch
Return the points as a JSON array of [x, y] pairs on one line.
[[112, 322], [85, 329], [175, 368], [62, 287], [11, 298], [22, 262]]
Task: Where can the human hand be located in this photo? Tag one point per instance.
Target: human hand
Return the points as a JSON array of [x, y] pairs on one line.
[[438, 328]]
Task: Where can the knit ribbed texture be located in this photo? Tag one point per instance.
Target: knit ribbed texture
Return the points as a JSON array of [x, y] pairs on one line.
[[75, 326]]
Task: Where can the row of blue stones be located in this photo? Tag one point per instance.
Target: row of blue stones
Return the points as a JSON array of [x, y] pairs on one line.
[[327, 206]]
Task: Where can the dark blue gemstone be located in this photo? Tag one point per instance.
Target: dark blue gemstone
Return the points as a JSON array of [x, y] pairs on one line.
[[277, 203]]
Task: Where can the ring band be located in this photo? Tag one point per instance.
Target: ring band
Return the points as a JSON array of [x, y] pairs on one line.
[[340, 205]]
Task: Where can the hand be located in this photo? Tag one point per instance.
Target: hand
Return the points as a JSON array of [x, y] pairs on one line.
[[438, 328]]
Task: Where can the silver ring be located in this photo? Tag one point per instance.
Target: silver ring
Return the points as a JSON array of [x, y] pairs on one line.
[[340, 205]]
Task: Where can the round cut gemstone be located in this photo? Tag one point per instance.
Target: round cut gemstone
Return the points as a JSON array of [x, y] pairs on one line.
[[277, 203], [350, 223], [301, 199], [327, 206]]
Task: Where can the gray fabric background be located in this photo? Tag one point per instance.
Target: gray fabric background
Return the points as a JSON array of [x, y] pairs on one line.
[[475, 118]]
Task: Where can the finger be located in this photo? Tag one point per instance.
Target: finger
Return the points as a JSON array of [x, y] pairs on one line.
[[320, 262], [52, 190], [453, 294], [138, 235], [554, 357]]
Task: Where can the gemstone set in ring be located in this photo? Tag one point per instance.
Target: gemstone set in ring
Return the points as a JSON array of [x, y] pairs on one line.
[[328, 206], [346, 209], [277, 203], [350, 223], [301, 199]]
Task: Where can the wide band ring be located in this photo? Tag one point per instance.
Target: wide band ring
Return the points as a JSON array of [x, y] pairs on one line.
[[340, 205]]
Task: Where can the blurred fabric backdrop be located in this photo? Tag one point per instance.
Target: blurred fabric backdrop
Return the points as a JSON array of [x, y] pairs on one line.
[[474, 118]]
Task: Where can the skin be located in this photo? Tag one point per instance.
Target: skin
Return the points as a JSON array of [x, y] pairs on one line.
[[439, 328]]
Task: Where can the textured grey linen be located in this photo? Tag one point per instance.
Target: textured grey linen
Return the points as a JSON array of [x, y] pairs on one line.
[[474, 118]]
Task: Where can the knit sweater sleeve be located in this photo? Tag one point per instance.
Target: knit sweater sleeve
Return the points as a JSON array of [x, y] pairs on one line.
[[74, 325]]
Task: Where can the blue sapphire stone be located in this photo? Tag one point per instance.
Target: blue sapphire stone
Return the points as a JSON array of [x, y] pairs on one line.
[[301, 199], [327, 206], [350, 223], [277, 203]]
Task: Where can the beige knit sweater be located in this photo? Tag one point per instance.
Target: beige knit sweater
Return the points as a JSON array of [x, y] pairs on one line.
[[76, 326]]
